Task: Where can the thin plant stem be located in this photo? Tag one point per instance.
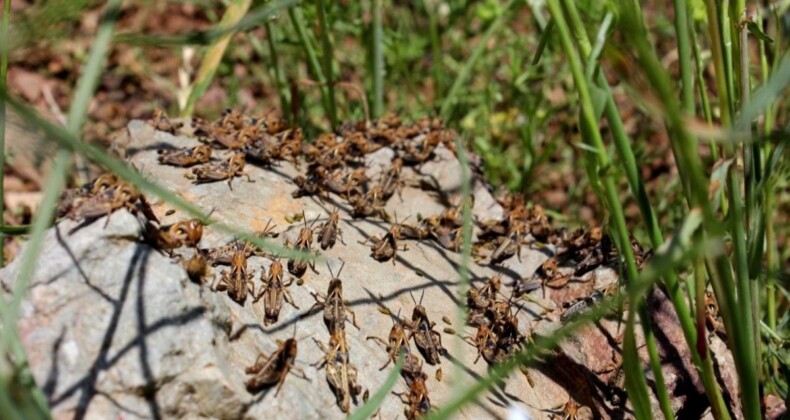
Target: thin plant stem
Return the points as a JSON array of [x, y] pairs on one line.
[[590, 125], [297, 20], [721, 268], [628, 161], [466, 253], [436, 50], [4, 47], [208, 66], [716, 48], [684, 55], [378, 60], [282, 90], [327, 57], [702, 88]]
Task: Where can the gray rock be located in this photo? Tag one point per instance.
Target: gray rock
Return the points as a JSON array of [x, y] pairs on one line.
[[115, 329]]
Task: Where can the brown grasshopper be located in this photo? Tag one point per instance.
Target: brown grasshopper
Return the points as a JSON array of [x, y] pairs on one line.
[[481, 298], [160, 122], [304, 243], [329, 231], [386, 247], [105, 201], [185, 157], [224, 255], [397, 342], [509, 339], [184, 233], [340, 373], [428, 341], [333, 304], [419, 232], [366, 205], [238, 282], [547, 275], [417, 400], [196, 267], [74, 197], [273, 293], [212, 172], [272, 369], [486, 343], [390, 180], [311, 185]]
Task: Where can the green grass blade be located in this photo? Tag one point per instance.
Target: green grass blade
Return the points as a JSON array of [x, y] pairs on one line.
[[599, 162], [635, 382], [208, 67], [313, 64], [431, 9], [469, 65], [91, 72], [282, 88], [466, 255], [370, 407], [378, 61], [15, 230], [600, 41], [545, 36], [89, 79], [4, 47], [765, 95], [326, 61]]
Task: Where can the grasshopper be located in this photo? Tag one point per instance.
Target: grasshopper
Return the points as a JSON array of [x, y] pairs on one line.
[[397, 342], [185, 157], [298, 266], [212, 172], [109, 199], [224, 255], [238, 282], [196, 267], [417, 400], [386, 247], [184, 233], [272, 369], [340, 374], [486, 343], [273, 293], [329, 232], [428, 341], [333, 304], [481, 298], [159, 121]]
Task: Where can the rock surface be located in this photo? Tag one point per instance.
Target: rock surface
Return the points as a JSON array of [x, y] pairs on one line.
[[115, 329]]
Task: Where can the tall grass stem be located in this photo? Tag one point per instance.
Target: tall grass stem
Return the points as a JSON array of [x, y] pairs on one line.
[[211, 61], [327, 56], [589, 125], [378, 60], [4, 51]]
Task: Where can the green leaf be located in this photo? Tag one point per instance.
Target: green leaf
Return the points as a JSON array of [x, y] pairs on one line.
[[635, 382], [370, 407], [755, 30], [717, 182], [15, 230], [544, 40]]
